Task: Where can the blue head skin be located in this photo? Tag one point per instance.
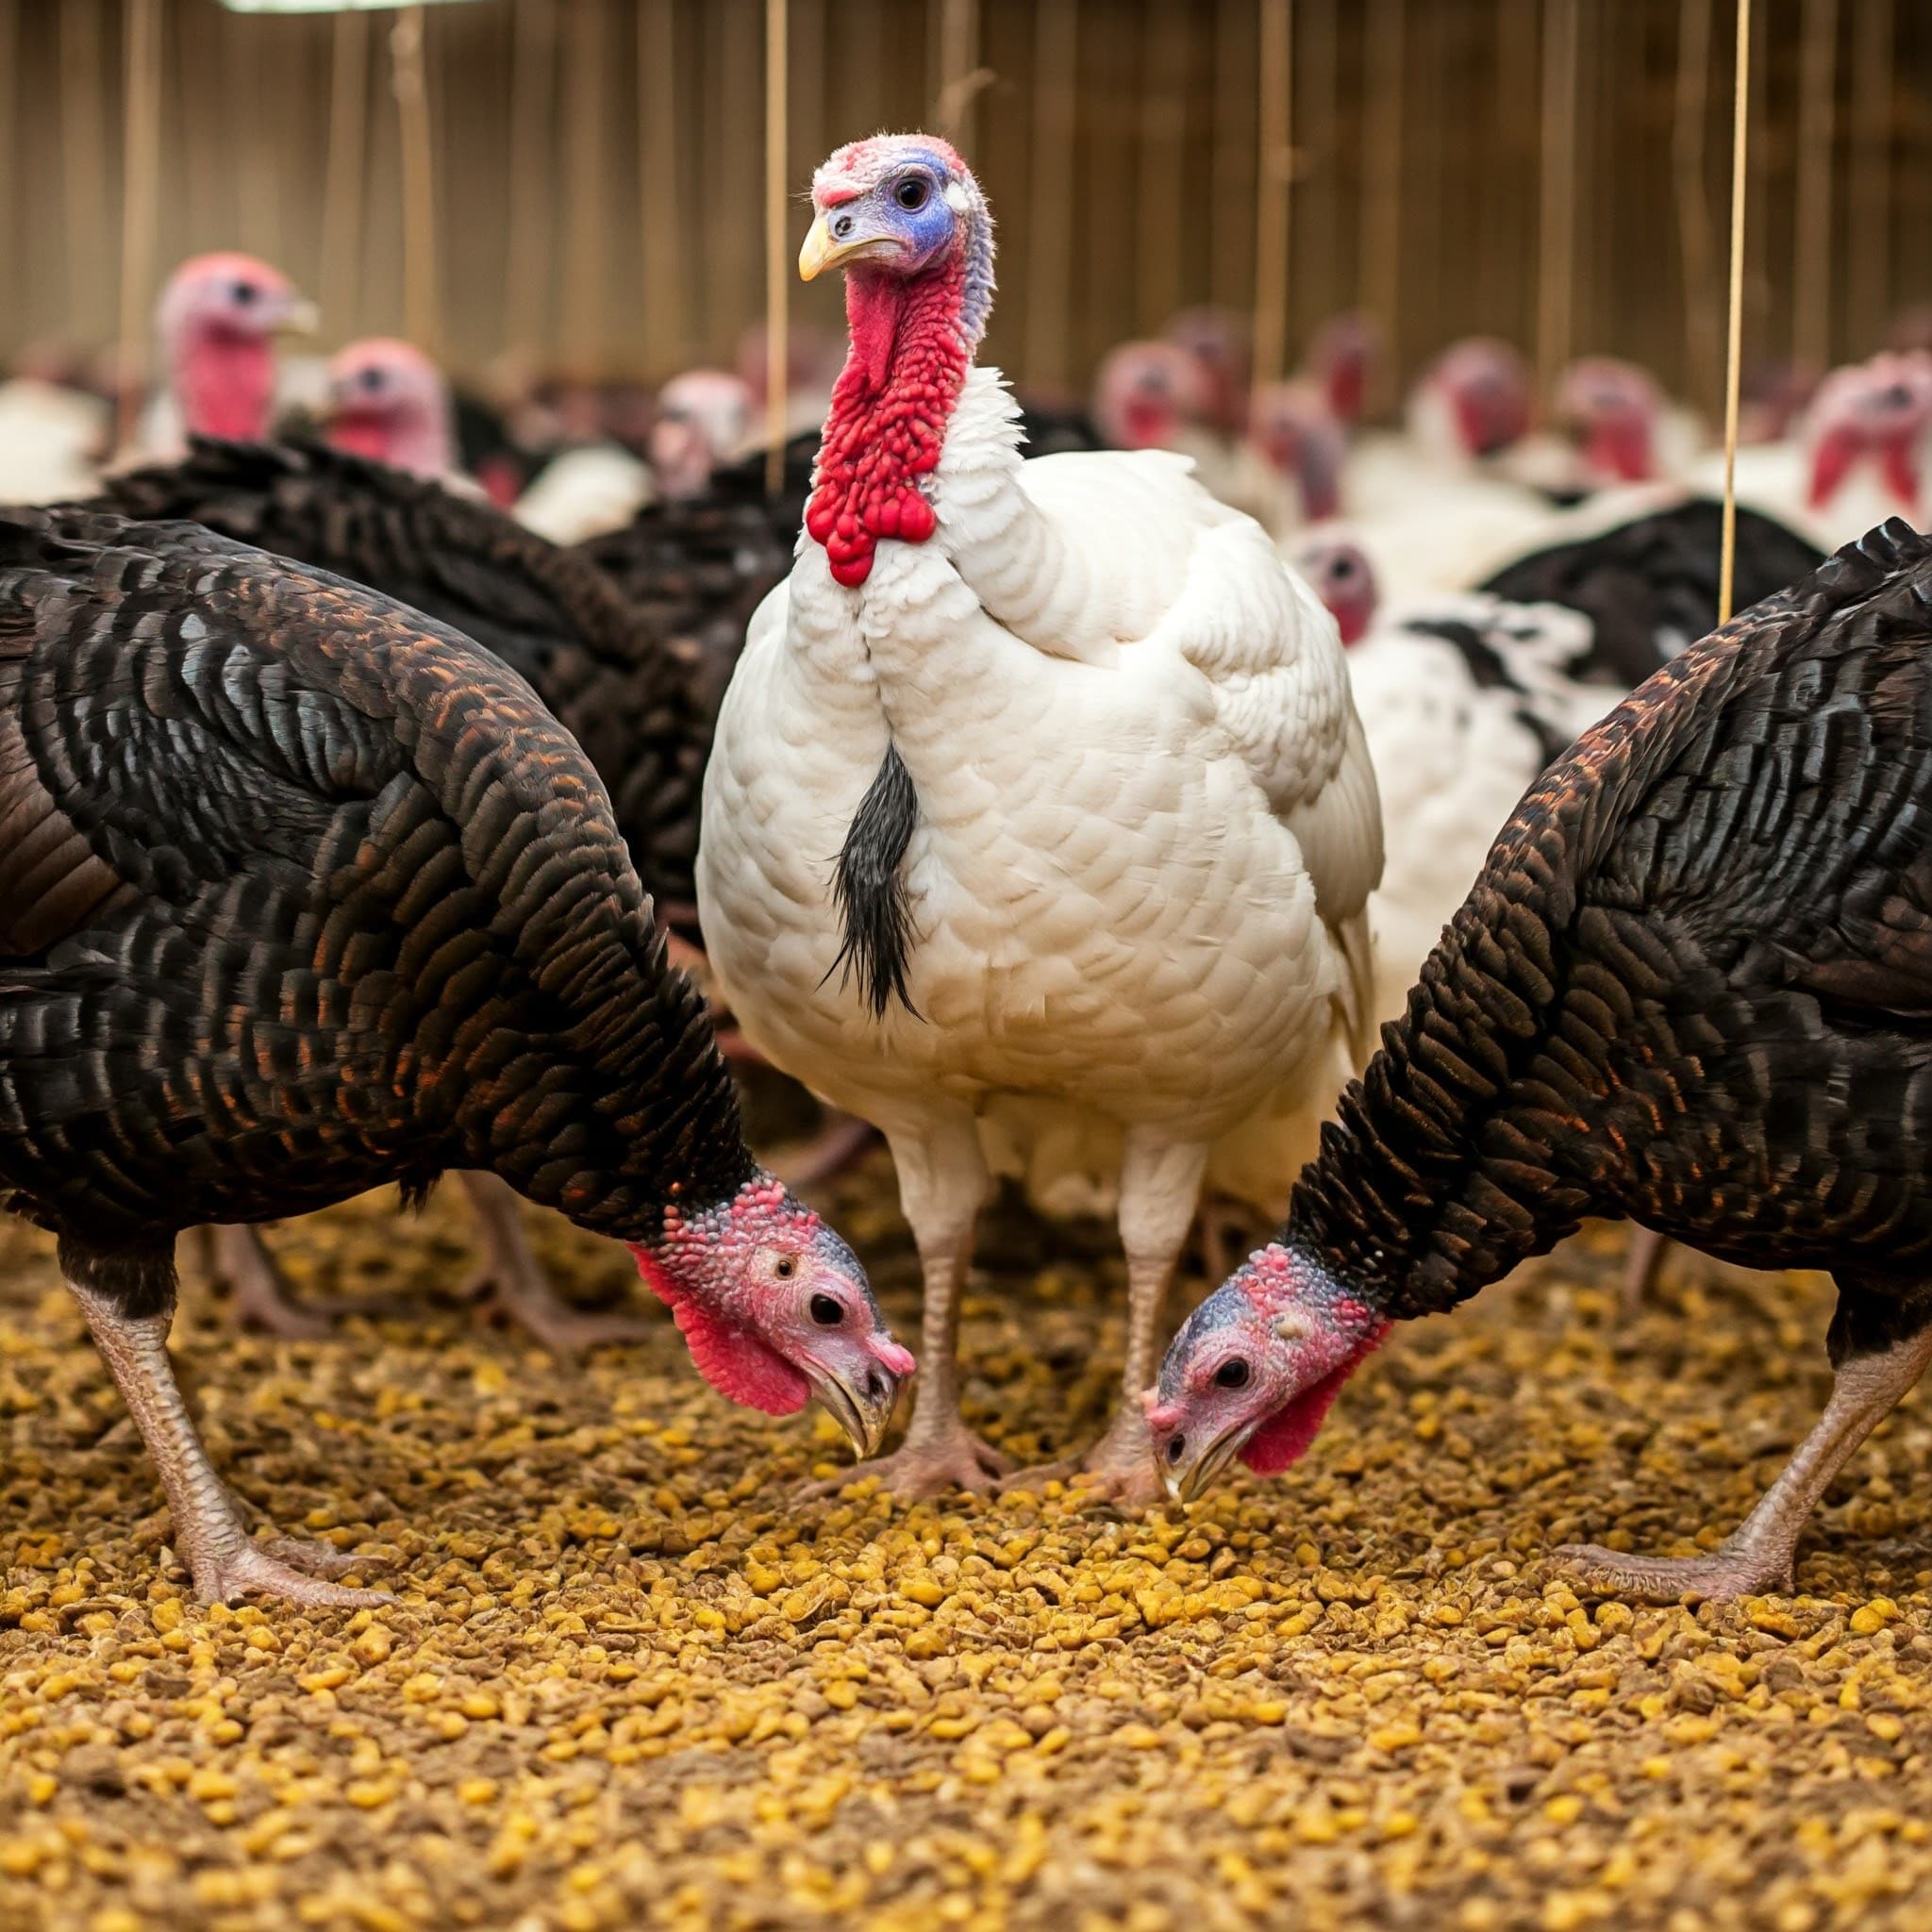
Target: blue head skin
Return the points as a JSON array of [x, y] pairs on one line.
[[899, 204], [1254, 1368]]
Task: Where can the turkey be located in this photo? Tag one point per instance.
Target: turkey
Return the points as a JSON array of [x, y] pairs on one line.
[[1860, 455], [1434, 503], [388, 401], [620, 686], [1082, 750], [301, 893], [216, 324], [1623, 429], [1464, 699], [1692, 986]]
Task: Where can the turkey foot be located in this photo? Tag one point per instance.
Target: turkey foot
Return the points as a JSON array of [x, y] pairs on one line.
[[1119, 1467], [208, 1534], [930, 1462], [519, 1291], [1759, 1554], [1721, 1577], [269, 1569]]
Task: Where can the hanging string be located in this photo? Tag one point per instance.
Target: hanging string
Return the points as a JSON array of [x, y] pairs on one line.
[[11, 227], [1817, 140], [1050, 206], [1316, 173], [777, 268], [1160, 160], [419, 320], [1556, 205], [1271, 195], [341, 191], [1741, 125], [1697, 256], [140, 154]]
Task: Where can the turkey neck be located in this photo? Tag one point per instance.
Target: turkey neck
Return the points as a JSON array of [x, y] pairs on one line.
[[1443, 1172], [225, 384], [911, 343]]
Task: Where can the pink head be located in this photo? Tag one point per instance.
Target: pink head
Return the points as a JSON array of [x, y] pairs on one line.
[[903, 216], [1218, 342], [1254, 1369], [1147, 394], [1341, 359], [389, 401], [1881, 410], [1612, 408], [704, 418], [1340, 575], [1291, 425], [776, 1309], [216, 320], [1475, 396]]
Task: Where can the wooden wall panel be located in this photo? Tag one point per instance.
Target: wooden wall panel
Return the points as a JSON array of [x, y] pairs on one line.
[[598, 166]]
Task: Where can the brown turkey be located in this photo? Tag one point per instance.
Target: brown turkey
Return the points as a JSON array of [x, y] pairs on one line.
[[301, 893], [1694, 986], [620, 677]]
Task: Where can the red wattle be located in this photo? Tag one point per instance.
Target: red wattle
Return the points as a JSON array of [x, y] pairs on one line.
[[887, 428], [1284, 1438], [1830, 463], [226, 386]]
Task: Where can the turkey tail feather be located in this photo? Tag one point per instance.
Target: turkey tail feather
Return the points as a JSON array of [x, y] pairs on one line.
[[871, 894]]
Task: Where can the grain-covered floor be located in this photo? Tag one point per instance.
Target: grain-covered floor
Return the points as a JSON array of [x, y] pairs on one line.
[[630, 1682]]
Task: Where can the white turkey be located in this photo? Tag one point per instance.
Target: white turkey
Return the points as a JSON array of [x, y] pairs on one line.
[[1038, 785], [1860, 455]]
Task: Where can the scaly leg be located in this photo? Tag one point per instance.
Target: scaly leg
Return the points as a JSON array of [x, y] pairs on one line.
[[519, 1289], [235, 1257], [1161, 1185], [210, 1535], [943, 1185], [1642, 1261], [1756, 1558]]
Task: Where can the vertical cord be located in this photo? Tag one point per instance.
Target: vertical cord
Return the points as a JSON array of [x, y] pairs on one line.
[[778, 279], [1275, 74], [140, 203], [1741, 125]]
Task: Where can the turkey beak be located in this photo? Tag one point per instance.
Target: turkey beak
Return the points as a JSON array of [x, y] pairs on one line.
[[862, 1407], [818, 252], [1186, 1476], [300, 317]]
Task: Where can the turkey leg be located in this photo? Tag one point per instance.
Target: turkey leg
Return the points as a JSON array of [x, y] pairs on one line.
[[210, 1535], [1756, 1558], [519, 1289], [943, 1185], [1160, 1187]]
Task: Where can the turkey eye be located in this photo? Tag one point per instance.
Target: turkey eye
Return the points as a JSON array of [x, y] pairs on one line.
[[785, 1267], [1232, 1374], [1343, 567], [911, 193], [826, 1312], [372, 378], [244, 293]]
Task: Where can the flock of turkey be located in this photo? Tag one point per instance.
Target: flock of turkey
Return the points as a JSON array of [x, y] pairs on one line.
[[1074, 801]]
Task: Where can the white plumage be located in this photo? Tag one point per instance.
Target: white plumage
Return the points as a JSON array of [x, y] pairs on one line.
[[1145, 838]]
